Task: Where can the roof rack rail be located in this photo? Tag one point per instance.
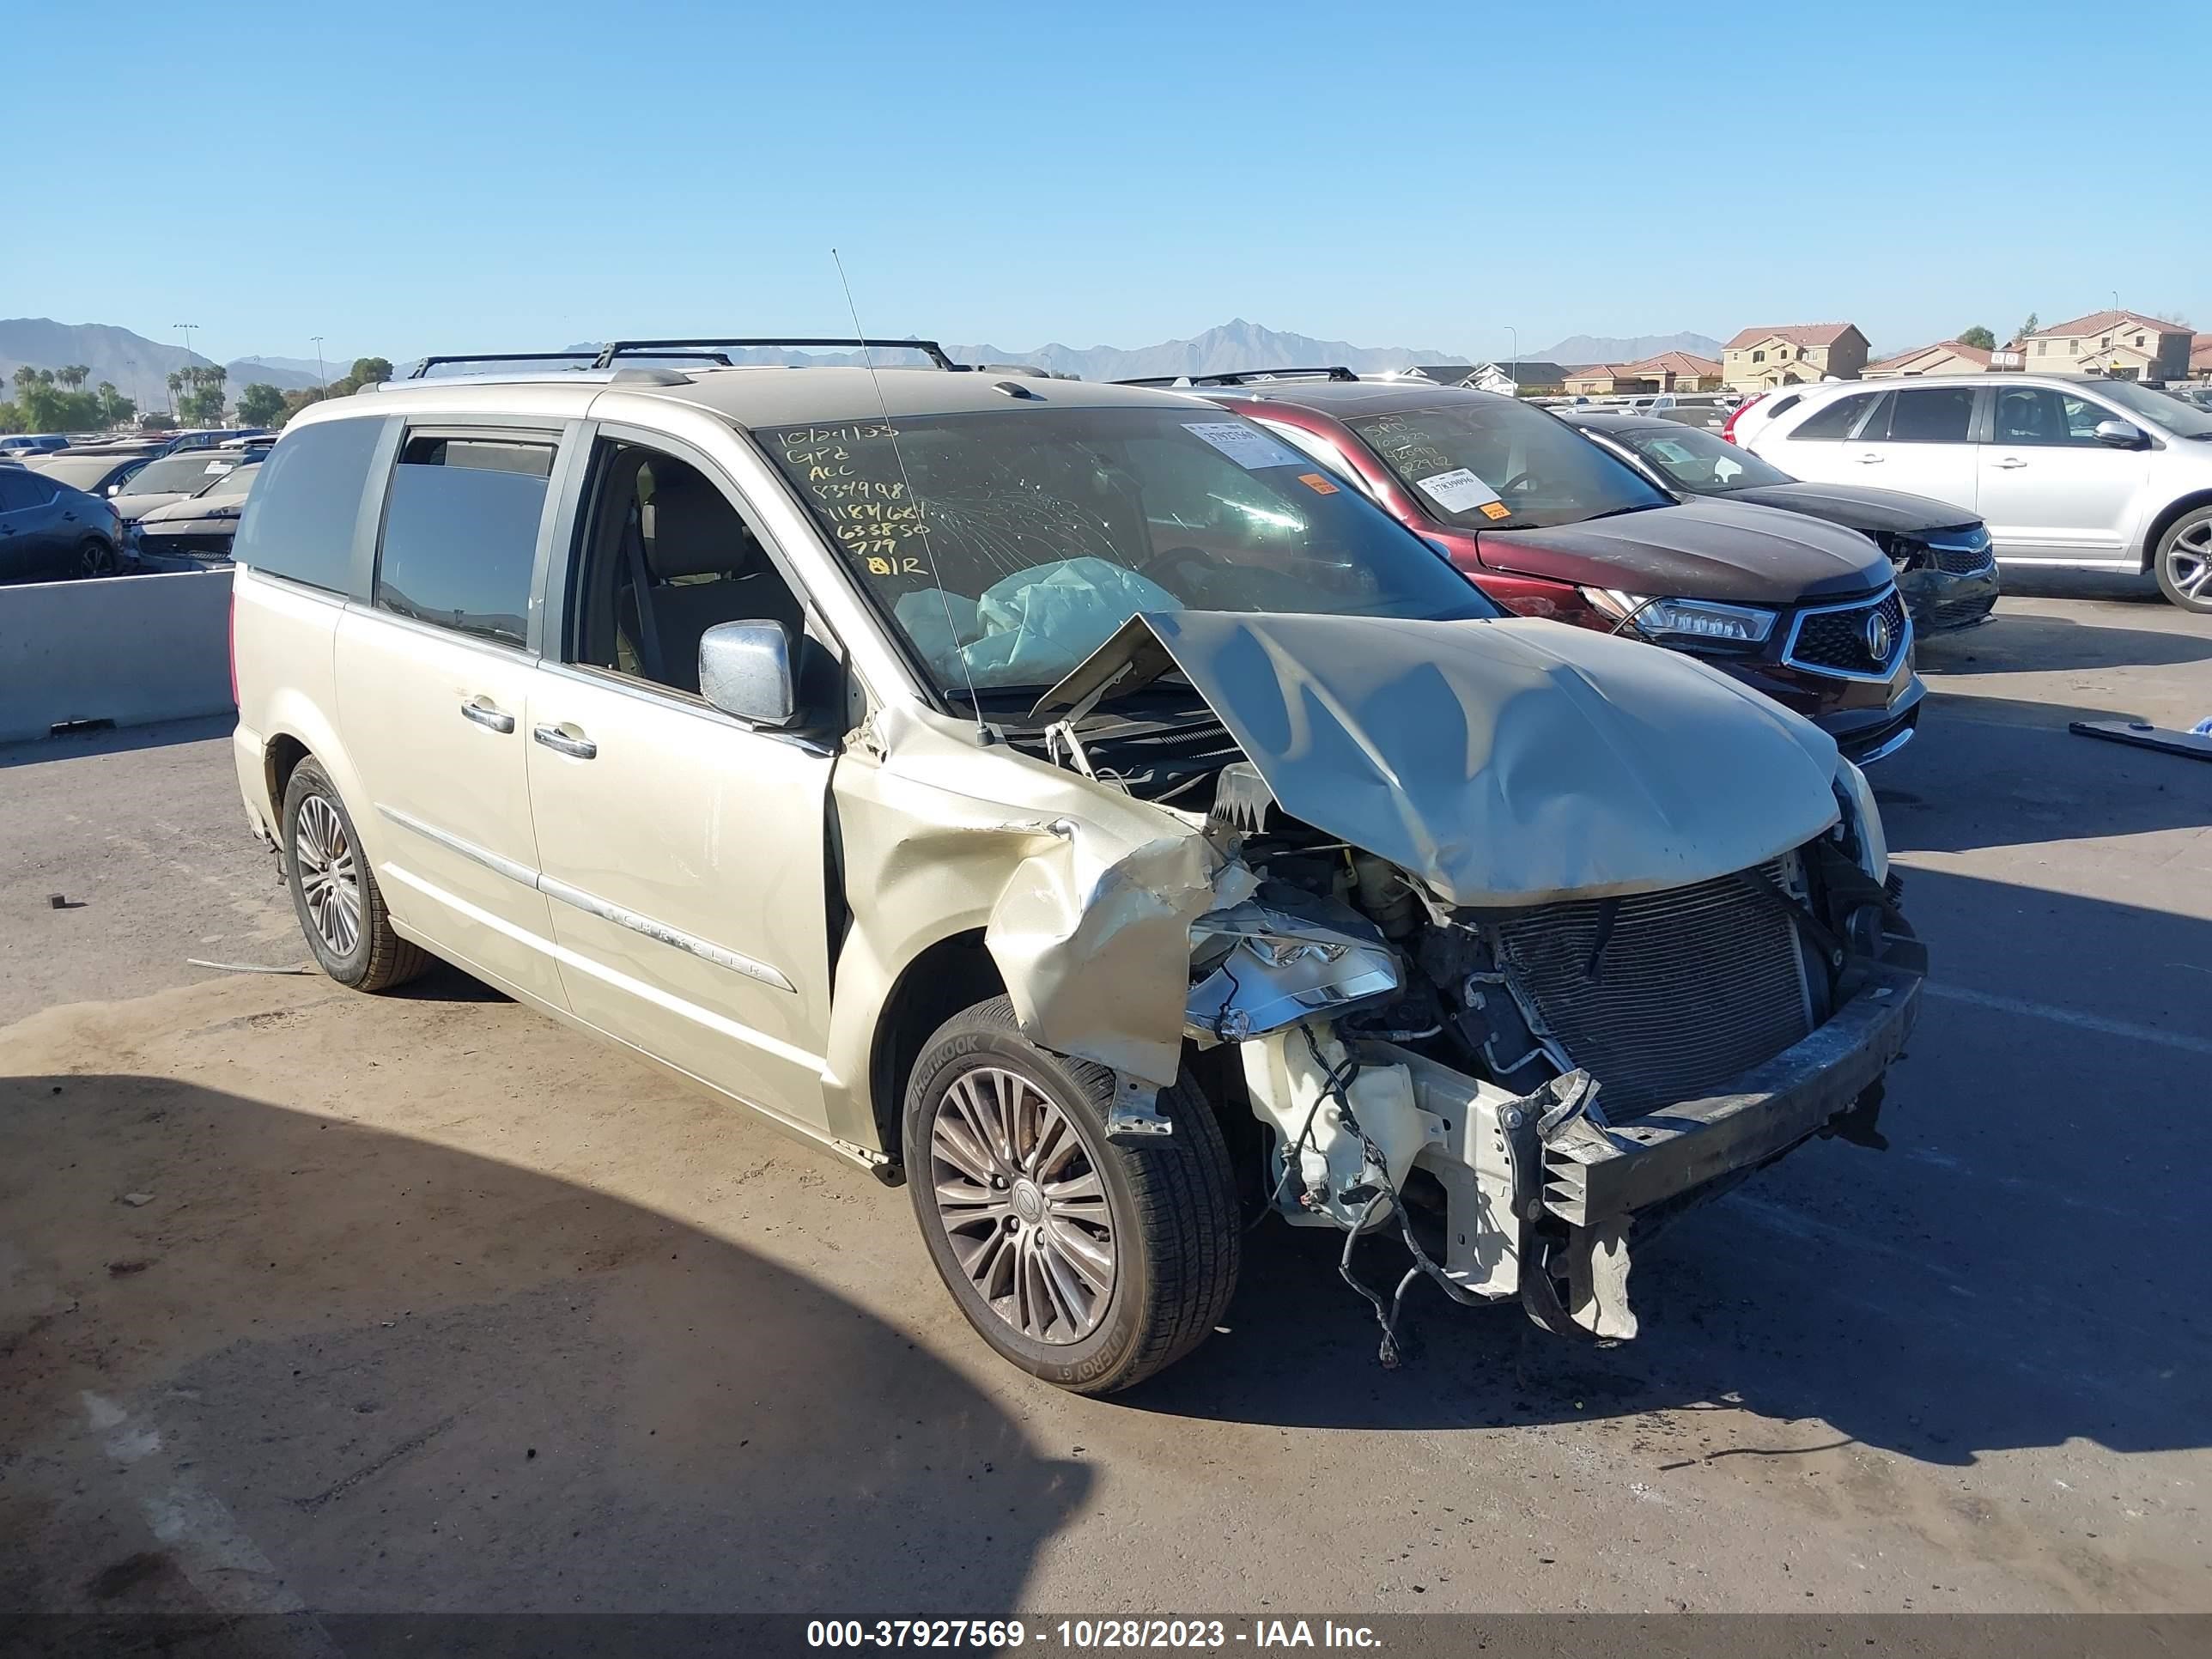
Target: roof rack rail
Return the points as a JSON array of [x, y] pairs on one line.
[[1243, 376], [657, 347], [581, 359]]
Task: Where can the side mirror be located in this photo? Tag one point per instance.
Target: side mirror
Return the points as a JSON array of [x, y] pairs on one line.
[[2120, 434], [744, 671]]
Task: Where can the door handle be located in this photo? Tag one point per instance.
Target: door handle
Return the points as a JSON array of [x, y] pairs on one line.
[[1868, 460], [486, 714], [2008, 462], [578, 747]]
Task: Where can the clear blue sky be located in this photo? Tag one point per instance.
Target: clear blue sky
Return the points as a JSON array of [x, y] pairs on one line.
[[405, 177]]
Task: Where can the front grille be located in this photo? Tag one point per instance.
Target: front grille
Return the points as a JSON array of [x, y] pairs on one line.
[[1834, 642], [1962, 560], [1950, 613], [1691, 989]]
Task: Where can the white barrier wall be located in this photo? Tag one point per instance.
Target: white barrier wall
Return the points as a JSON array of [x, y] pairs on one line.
[[129, 650]]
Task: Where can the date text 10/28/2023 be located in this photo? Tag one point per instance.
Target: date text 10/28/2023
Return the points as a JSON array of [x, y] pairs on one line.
[[1088, 1635]]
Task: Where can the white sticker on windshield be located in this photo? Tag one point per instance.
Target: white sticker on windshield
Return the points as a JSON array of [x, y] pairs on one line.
[[1458, 491], [219, 468], [1248, 446]]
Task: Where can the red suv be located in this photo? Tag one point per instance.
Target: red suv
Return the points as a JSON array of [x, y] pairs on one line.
[[1548, 524]]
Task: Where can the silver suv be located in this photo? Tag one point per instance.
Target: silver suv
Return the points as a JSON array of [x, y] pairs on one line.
[[1069, 800], [2066, 470]]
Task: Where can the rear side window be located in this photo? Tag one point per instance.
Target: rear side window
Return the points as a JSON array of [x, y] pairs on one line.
[[1932, 414], [298, 522], [460, 534], [1835, 420], [20, 488]]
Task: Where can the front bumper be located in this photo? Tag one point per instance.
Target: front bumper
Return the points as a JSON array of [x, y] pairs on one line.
[[1941, 601], [1667, 1154]]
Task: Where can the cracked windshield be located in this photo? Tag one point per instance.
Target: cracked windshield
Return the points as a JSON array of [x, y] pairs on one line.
[[1009, 547]]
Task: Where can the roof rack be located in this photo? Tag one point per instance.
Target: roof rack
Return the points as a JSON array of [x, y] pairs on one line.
[[581, 359], [1243, 376], [661, 348]]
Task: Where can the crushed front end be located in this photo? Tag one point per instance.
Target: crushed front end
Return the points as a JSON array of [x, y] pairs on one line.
[[1452, 980]]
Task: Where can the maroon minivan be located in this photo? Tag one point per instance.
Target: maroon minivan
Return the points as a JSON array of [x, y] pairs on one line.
[[1549, 524]]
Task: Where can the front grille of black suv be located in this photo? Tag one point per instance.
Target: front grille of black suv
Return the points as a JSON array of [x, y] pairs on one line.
[[1834, 642]]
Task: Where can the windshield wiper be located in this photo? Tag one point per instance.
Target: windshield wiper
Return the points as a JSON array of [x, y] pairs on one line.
[[1615, 512]]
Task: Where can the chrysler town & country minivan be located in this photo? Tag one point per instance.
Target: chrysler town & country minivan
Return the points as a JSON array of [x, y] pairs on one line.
[[1067, 799]]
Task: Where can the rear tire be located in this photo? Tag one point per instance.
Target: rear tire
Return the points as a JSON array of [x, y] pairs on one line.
[[334, 892], [2183, 561], [96, 557], [1089, 1264]]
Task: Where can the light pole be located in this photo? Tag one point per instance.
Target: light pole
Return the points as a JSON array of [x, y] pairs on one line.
[[187, 330], [1513, 368], [321, 378]]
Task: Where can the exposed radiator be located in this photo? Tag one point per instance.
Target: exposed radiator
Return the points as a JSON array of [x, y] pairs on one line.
[[1690, 987]]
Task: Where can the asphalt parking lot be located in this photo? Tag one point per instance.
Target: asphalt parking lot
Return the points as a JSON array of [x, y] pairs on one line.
[[422, 1303]]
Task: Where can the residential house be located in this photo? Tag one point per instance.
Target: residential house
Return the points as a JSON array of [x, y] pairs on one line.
[[1669, 371], [2124, 344], [1760, 358], [2200, 358], [1519, 377], [1944, 358]]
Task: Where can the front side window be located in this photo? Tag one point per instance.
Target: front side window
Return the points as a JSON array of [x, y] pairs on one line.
[[664, 556], [2039, 415], [1703, 463], [1007, 547], [1932, 414], [460, 534], [1489, 464]]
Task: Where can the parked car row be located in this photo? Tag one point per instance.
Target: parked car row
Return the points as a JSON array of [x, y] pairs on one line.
[[104, 509], [1549, 522], [1101, 809]]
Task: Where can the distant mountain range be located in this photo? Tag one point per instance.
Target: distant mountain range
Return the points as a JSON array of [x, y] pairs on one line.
[[1234, 345], [1578, 348], [139, 368]]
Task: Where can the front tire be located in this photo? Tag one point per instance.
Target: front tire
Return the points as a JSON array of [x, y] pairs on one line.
[[334, 892], [1089, 1264], [2183, 561]]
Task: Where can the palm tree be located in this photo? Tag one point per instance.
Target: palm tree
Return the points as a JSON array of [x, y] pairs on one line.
[[26, 377], [176, 385], [73, 376]]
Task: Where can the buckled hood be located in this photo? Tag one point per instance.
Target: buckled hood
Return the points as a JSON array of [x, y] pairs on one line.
[[1701, 549], [1502, 762]]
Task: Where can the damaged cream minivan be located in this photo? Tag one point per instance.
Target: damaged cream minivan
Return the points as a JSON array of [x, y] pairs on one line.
[[1067, 799]]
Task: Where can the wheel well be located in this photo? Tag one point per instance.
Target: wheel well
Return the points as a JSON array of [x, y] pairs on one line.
[[953, 974], [2164, 522], [282, 759]]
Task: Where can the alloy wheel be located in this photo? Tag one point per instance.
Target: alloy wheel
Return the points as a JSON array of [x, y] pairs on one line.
[[2189, 563], [96, 558], [1021, 1203], [330, 881]]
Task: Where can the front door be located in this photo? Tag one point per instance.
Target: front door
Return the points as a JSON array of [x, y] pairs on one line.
[[2048, 489], [432, 687], [683, 852]]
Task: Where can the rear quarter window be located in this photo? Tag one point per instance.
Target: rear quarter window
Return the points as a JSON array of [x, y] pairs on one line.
[[299, 521]]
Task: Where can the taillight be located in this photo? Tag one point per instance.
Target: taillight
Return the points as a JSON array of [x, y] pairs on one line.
[[1728, 427], [233, 639]]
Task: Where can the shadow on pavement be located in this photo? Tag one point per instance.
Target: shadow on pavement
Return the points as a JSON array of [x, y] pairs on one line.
[[116, 740], [2016, 642], [416, 1379]]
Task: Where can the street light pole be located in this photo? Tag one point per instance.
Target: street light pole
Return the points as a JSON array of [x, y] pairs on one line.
[[322, 380], [187, 330], [1513, 368]]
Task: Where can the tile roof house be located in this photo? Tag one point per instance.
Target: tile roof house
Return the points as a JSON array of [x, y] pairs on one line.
[[2124, 344], [2200, 358], [1944, 358], [1669, 371], [1760, 358]]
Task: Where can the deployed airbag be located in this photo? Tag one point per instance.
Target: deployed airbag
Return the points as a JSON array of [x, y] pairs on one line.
[[1030, 627]]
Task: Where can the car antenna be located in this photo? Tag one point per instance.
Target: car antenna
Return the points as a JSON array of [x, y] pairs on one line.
[[890, 428]]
